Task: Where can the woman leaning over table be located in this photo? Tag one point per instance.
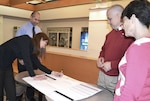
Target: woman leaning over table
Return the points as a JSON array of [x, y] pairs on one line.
[[134, 78], [27, 50]]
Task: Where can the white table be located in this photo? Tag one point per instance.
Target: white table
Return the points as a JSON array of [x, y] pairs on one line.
[[19, 76], [104, 95]]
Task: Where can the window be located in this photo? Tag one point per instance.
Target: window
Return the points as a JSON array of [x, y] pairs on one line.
[[60, 36]]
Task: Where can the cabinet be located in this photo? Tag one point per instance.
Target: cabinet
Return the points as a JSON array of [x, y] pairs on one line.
[[60, 36]]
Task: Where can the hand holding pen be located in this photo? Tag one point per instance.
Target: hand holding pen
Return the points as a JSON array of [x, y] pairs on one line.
[[43, 77], [57, 74], [39, 77]]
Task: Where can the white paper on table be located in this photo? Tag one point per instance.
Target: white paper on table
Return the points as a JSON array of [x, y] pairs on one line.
[[64, 88]]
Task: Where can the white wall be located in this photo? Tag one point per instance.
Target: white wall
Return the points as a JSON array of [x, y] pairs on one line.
[[67, 12], [8, 25], [76, 24], [14, 12], [1, 29], [97, 33], [97, 29]]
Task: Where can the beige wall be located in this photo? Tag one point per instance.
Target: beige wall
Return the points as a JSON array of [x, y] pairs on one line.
[[97, 29], [76, 24], [1, 29], [8, 24], [14, 12], [67, 12]]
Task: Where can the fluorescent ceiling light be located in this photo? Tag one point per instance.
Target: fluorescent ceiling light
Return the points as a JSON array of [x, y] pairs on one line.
[[49, 0], [35, 2]]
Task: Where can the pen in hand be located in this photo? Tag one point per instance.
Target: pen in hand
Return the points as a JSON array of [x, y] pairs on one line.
[[57, 74], [50, 77], [61, 71]]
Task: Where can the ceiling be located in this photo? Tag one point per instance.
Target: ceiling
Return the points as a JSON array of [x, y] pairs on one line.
[[43, 6]]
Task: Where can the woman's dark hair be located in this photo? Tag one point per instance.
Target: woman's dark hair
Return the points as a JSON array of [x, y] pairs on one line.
[[40, 52], [141, 9]]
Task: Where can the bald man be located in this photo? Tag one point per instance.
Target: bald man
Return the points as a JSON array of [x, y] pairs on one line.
[[113, 50], [27, 28]]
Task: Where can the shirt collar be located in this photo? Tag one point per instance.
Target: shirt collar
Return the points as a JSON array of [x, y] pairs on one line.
[[119, 28]]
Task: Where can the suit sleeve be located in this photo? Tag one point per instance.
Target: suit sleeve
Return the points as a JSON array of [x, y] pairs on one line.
[[38, 64], [26, 51]]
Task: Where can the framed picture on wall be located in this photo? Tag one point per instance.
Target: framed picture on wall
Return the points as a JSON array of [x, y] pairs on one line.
[[63, 40], [60, 36], [53, 39]]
